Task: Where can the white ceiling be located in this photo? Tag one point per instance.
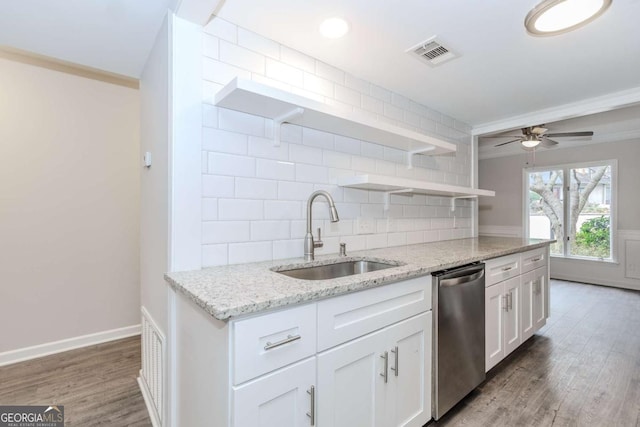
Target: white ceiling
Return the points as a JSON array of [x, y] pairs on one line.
[[502, 72], [109, 35]]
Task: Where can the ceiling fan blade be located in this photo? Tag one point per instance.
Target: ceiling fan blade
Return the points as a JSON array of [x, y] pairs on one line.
[[567, 134], [546, 142], [508, 142], [501, 136]]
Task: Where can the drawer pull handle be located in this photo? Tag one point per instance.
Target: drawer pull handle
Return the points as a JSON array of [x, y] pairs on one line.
[[506, 268], [287, 340], [536, 259]]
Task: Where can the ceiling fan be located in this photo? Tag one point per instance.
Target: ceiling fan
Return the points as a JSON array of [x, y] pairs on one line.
[[534, 136]]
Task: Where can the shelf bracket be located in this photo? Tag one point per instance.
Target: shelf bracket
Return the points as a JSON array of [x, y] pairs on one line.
[[387, 195], [453, 201], [284, 118], [418, 151]]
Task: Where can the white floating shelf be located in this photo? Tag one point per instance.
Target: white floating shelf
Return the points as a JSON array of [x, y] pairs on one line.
[[282, 106], [392, 184]]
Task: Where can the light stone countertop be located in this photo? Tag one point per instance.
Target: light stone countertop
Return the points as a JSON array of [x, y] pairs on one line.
[[234, 290]]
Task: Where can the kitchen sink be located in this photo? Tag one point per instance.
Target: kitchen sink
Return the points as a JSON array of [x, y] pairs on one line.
[[338, 269]]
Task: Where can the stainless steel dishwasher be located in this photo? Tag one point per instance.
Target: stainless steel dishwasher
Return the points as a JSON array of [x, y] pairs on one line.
[[458, 335]]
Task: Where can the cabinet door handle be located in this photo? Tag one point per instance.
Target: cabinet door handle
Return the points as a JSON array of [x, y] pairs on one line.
[[312, 410], [506, 302], [510, 300], [395, 367], [287, 340], [385, 374]]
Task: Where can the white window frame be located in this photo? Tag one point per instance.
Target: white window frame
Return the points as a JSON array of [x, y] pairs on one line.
[[613, 163]]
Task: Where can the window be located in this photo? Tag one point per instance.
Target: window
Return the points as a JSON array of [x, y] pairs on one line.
[[574, 204]]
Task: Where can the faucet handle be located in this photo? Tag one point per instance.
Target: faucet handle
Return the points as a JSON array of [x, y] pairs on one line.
[[318, 243]]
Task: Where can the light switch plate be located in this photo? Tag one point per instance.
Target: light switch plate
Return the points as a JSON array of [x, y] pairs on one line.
[[365, 225]]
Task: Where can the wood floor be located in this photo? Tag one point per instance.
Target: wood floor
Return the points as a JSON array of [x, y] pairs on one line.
[[97, 385], [581, 369]]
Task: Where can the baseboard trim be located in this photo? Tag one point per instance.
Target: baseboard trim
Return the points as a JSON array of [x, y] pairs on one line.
[[28, 353], [148, 401], [596, 281]]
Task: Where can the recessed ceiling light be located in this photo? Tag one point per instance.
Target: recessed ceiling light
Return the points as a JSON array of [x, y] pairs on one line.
[[334, 28], [552, 17]]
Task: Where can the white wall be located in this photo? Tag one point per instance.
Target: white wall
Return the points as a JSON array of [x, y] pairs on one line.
[[254, 194], [69, 203], [504, 212]]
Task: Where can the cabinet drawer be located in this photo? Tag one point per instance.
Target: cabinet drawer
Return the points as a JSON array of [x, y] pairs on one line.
[[503, 268], [350, 316], [533, 259], [264, 343]]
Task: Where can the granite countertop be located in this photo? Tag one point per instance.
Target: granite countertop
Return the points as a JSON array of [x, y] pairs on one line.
[[234, 290]]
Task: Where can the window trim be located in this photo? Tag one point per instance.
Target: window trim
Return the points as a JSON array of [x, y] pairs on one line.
[[565, 167]]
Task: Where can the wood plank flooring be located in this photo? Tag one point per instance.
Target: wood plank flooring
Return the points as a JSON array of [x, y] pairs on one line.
[[97, 385], [581, 369]]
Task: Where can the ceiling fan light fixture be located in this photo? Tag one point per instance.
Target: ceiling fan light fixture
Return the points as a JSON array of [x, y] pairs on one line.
[[530, 141], [552, 17], [334, 28]]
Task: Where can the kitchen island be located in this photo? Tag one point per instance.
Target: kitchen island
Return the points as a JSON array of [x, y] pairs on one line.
[[252, 347]]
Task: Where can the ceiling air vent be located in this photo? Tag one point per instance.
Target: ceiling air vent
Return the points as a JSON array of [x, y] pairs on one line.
[[432, 52]]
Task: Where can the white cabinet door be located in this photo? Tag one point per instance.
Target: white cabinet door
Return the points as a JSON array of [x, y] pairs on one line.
[[539, 304], [512, 332], [494, 319], [409, 385], [351, 386], [527, 288], [282, 398]]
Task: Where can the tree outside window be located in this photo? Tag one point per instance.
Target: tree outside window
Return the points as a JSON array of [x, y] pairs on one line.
[[583, 203]]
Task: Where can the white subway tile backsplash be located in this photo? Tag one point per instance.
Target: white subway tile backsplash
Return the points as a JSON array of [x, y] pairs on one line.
[[275, 169], [221, 73], [210, 46], [270, 230], [217, 186], [282, 209], [209, 209], [223, 141], [239, 209], [297, 59], [257, 43], [230, 164], [348, 96], [240, 253], [236, 121], [284, 73], [311, 173], [223, 29], [294, 190], [328, 72], [241, 57], [225, 231], [250, 188], [255, 193]]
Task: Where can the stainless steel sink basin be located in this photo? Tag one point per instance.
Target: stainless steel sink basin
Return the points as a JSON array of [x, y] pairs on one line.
[[332, 271]]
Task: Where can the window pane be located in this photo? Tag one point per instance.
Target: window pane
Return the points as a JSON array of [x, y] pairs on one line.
[[546, 215], [590, 212]]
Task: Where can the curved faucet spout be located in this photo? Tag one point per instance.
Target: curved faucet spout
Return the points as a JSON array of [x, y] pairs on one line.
[[309, 244]]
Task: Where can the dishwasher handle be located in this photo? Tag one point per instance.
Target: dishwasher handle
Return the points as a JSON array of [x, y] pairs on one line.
[[460, 280]]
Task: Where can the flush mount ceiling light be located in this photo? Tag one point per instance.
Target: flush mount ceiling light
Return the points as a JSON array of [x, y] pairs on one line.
[[334, 28], [551, 17], [531, 141]]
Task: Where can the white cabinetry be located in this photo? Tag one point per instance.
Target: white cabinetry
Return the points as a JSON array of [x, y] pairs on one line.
[[316, 364], [516, 301], [381, 379]]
